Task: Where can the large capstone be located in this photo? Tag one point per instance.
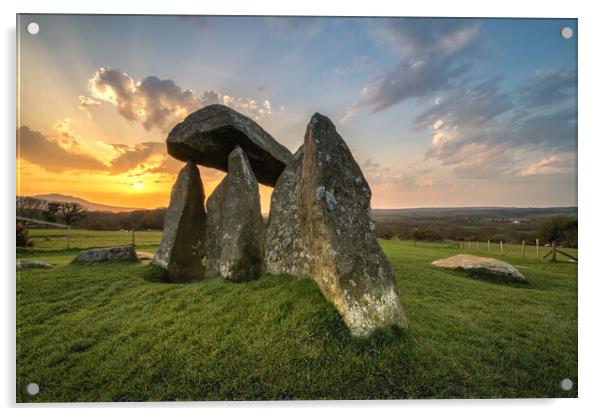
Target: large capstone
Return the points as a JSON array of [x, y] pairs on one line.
[[209, 135], [320, 227], [182, 246], [234, 224]]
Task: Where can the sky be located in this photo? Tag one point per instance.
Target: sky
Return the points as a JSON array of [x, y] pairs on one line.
[[437, 112]]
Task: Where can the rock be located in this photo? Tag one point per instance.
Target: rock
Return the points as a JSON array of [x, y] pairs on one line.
[[144, 255], [182, 246], [283, 235], [234, 224], [120, 253], [320, 227], [209, 135], [33, 264], [480, 264]]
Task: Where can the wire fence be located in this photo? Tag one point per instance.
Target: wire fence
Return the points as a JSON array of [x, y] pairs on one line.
[[523, 250], [60, 236]]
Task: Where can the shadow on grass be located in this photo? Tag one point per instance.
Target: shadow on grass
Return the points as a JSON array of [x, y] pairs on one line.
[[493, 278], [155, 274]]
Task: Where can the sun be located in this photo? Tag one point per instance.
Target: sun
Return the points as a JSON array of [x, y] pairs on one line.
[[138, 185]]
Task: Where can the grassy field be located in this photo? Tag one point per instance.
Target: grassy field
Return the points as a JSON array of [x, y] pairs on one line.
[[116, 332]]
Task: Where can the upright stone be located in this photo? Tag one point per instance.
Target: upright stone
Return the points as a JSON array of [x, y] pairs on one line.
[[234, 224], [182, 246], [284, 252], [336, 244]]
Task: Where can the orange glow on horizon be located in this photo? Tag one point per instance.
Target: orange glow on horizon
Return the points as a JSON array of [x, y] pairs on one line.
[[128, 190]]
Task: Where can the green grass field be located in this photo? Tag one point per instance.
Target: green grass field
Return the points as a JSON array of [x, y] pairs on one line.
[[116, 332]]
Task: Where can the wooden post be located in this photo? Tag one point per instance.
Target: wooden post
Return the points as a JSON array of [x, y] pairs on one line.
[[501, 247], [553, 251], [488, 246], [477, 245], [469, 244], [522, 250], [68, 229], [537, 247], [133, 235]]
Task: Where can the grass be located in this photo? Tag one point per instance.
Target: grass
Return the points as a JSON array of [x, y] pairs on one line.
[[115, 332]]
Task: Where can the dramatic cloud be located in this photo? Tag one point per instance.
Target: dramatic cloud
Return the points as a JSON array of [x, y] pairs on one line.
[[480, 128], [433, 55], [161, 103], [131, 157], [151, 157], [563, 163], [48, 153]]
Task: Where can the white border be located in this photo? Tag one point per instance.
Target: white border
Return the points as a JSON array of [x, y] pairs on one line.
[[590, 151]]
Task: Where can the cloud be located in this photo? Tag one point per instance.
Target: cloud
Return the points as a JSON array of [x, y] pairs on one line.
[[48, 153], [433, 55], [378, 175], [86, 104], [556, 163], [481, 130], [549, 88], [132, 157], [161, 103]]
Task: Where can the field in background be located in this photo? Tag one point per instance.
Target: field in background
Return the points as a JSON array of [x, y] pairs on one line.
[[115, 332]]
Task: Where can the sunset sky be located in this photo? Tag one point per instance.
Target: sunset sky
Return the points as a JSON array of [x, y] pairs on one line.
[[437, 112]]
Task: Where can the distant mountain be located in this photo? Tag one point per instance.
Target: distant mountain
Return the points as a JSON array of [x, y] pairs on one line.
[[90, 206]]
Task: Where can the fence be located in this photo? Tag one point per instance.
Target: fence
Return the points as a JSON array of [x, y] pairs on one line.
[[60, 236], [522, 250]]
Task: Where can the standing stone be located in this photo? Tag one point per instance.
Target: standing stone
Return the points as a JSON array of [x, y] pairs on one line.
[[284, 252], [209, 135], [182, 246], [234, 224], [335, 240]]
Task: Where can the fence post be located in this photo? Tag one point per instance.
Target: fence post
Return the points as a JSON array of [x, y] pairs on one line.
[[477, 245], [133, 236], [488, 246], [68, 229], [469, 244], [553, 251], [537, 247], [501, 247], [522, 250]]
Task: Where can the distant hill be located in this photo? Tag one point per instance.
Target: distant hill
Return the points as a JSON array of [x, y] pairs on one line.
[[90, 206], [475, 212]]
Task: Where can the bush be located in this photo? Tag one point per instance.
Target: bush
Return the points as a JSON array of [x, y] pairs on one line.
[[23, 236], [561, 229]]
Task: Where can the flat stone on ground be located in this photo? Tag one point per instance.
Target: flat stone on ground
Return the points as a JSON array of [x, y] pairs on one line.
[[209, 135], [480, 264], [321, 228], [235, 224], [182, 245], [120, 253], [33, 264]]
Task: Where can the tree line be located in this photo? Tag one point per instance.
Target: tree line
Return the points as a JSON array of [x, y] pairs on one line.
[[561, 229], [76, 215]]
